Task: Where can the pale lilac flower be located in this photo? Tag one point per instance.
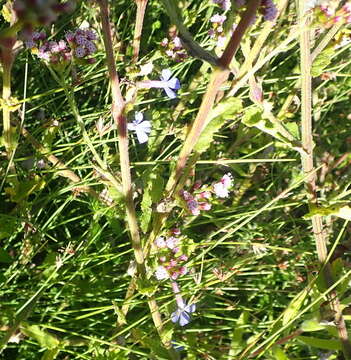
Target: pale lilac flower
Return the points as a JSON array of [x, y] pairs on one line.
[[160, 242], [183, 270], [141, 128], [161, 273], [204, 195], [182, 314], [90, 46], [204, 206], [221, 41], [219, 19], [183, 257], [227, 180], [224, 4], [221, 188], [146, 69], [270, 10], [175, 250], [347, 7], [193, 207], [80, 52], [169, 84], [186, 195], [177, 42], [172, 242]]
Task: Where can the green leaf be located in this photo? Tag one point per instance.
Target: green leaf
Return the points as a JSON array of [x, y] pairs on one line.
[[322, 61], [44, 339], [224, 111], [8, 225], [294, 307], [343, 211], [50, 354], [279, 354], [311, 325], [5, 257], [237, 343], [321, 343], [153, 190], [146, 287], [25, 188]]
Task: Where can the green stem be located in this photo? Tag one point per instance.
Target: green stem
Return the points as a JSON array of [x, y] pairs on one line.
[[308, 168], [118, 107], [6, 113]]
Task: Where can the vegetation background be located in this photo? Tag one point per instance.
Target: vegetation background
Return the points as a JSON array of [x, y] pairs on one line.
[[254, 271]]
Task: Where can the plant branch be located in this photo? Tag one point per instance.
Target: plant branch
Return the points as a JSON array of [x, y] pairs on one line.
[[141, 7], [121, 123], [308, 168]]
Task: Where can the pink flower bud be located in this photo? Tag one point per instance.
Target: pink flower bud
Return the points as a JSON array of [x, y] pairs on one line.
[[183, 270], [175, 231], [183, 257], [204, 206]]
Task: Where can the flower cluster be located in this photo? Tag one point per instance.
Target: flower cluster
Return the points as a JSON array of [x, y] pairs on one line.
[[224, 4], [268, 10], [81, 42], [328, 15], [217, 31], [199, 199], [79, 45], [170, 257], [174, 49], [197, 202], [37, 12]]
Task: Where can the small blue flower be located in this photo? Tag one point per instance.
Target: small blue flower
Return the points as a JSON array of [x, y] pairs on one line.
[[141, 128], [182, 314], [169, 84]]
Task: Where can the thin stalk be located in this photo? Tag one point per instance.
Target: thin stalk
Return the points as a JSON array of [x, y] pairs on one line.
[[6, 113], [118, 105], [141, 7], [308, 168]]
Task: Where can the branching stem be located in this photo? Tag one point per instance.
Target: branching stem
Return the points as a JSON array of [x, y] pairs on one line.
[[308, 168]]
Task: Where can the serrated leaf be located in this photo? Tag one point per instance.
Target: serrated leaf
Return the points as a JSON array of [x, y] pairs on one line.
[[216, 119], [322, 61], [44, 339], [320, 343], [294, 307], [343, 211]]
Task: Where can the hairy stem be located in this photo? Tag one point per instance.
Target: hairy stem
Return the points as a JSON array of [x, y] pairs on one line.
[[308, 168], [121, 122], [141, 7]]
